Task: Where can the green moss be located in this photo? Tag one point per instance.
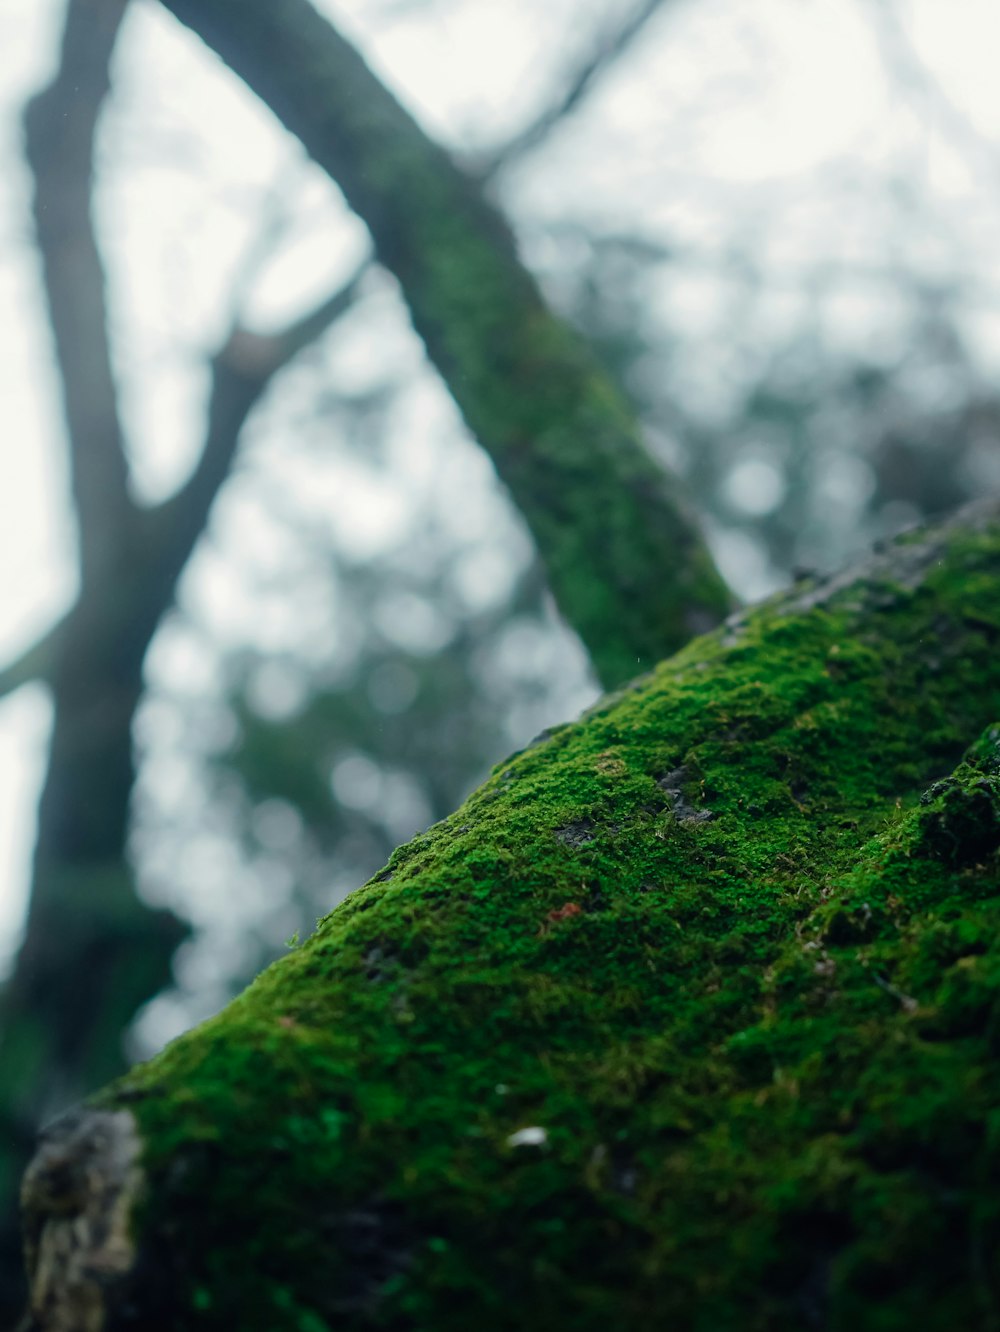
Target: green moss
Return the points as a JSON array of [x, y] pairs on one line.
[[730, 942]]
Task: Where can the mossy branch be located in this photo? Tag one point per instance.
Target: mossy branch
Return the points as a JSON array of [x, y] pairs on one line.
[[625, 561], [687, 1017]]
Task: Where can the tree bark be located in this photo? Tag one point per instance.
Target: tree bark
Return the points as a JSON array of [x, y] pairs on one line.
[[689, 1017]]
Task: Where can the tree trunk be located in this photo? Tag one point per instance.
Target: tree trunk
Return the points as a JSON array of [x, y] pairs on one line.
[[689, 1017]]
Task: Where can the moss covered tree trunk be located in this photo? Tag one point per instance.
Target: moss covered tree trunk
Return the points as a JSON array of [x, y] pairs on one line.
[[689, 1017]]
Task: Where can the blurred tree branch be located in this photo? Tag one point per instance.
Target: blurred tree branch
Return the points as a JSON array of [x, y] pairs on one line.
[[911, 74], [606, 519], [242, 369], [605, 50], [33, 664]]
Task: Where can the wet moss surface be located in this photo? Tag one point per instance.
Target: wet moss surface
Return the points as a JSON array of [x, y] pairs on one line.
[[689, 1017]]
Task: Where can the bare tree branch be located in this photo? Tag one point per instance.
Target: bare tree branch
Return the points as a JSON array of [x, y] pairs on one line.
[[241, 371], [59, 130], [304, 331], [605, 50], [273, 222], [909, 71], [33, 664]]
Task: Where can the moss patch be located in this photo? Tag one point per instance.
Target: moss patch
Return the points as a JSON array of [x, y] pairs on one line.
[[727, 947]]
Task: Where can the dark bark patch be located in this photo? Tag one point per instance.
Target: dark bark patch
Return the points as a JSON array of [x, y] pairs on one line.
[[963, 825], [673, 786], [373, 1238], [379, 964], [579, 833]]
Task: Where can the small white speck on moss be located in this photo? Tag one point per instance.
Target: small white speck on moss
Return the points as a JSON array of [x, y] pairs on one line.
[[528, 1137]]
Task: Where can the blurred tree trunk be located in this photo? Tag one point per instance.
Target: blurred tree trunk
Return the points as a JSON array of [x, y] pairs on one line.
[[91, 953], [688, 1018]]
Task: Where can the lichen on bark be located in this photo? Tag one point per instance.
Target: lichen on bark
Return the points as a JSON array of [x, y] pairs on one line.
[[690, 1016]]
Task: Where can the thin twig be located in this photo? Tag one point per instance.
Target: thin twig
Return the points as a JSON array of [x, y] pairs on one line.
[[605, 50], [33, 664], [241, 371]]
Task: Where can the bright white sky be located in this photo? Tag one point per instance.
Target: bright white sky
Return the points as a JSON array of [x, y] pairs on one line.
[[202, 156]]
